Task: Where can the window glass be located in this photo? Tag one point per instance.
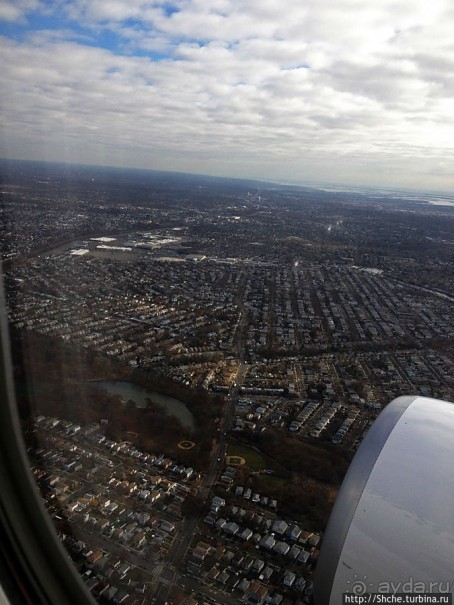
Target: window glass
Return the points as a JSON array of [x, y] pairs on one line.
[[197, 358]]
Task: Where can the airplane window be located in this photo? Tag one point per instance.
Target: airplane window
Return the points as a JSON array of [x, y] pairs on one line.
[[34, 567], [226, 246]]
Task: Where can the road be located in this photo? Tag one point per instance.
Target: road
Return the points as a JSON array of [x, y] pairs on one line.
[[180, 546]]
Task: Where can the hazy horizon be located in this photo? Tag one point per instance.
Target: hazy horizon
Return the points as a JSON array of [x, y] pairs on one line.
[[321, 186], [347, 94]]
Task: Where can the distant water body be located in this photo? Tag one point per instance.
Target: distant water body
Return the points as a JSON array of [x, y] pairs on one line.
[[134, 392]]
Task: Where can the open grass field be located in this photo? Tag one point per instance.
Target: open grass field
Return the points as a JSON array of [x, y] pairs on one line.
[[254, 460], [273, 481]]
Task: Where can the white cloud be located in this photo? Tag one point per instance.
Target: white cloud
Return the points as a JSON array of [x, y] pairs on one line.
[[259, 88], [17, 10], [93, 11]]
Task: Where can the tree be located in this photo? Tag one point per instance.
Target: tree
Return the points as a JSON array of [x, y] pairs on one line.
[[194, 506]]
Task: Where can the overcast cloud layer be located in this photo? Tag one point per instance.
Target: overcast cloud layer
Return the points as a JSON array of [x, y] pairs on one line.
[[347, 91]]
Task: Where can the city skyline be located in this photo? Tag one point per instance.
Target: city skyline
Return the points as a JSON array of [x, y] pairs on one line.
[[354, 94]]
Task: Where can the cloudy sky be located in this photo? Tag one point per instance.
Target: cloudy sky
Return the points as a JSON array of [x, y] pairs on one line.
[[304, 91]]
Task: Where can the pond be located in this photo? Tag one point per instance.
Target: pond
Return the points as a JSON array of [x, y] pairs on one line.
[[134, 392]]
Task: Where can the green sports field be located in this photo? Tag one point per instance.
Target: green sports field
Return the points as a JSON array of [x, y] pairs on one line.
[[254, 460]]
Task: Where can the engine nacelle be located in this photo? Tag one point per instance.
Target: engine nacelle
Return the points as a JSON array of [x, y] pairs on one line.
[[392, 526]]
